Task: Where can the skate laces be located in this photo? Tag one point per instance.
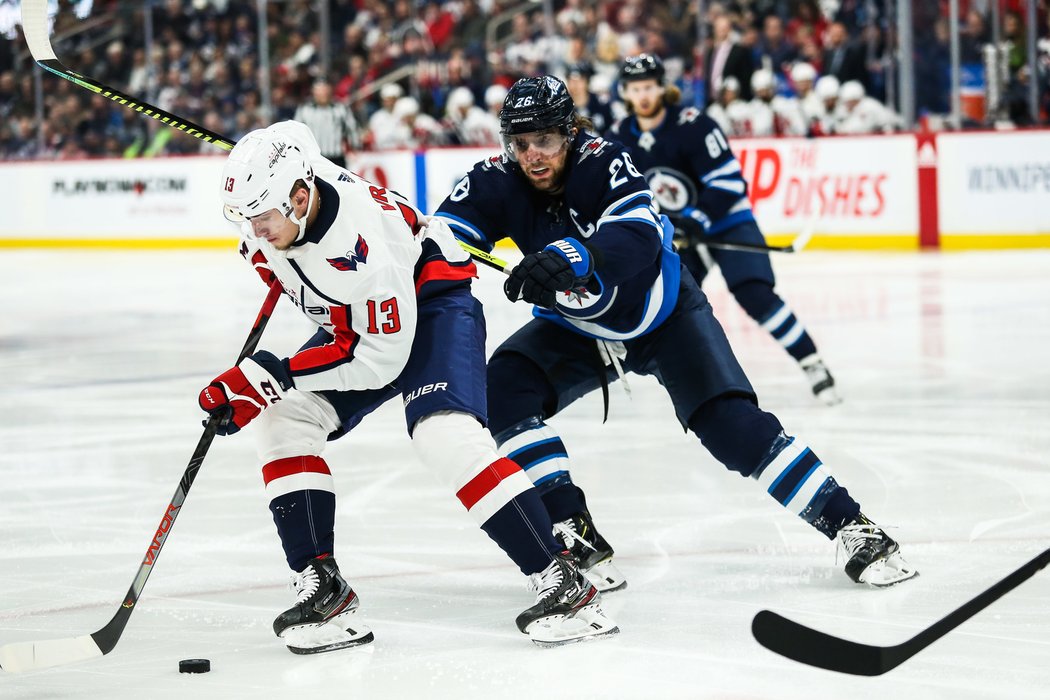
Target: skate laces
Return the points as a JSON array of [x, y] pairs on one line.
[[851, 538], [547, 581], [305, 584], [566, 530]]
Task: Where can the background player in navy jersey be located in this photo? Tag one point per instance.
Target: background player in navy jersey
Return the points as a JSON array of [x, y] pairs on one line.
[[607, 285], [698, 184], [390, 294]]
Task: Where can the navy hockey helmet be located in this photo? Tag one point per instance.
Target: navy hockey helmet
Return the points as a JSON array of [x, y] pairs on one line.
[[645, 66], [536, 104]]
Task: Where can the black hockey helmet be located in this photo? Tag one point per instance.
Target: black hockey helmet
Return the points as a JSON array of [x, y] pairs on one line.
[[645, 66], [535, 104]]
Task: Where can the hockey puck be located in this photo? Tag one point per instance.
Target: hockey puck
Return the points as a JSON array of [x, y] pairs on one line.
[[194, 666]]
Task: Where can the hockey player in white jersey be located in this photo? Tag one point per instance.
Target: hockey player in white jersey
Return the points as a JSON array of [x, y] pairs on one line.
[[821, 109], [390, 294], [469, 124], [857, 113], [773, 114]]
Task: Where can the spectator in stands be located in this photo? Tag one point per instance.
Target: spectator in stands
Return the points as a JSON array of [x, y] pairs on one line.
[[726, 58], [494, 96], [843, 57], [578, 80], [332, 123], [775, 51]]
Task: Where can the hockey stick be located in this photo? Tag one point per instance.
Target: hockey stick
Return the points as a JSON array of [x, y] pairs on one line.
[[34, 25], [800, 242], [808, 646], [28, 656]]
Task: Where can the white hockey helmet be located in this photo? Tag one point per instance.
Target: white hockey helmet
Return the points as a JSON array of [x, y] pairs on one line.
[[260, 173], [406, 107], [851, 91], [460, 98], [730, 84], [494, 95], [391, 91], [762, 79], [803, 72], [827, 87]]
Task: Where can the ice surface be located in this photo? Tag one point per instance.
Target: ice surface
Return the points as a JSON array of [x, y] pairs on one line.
[[944, 433]]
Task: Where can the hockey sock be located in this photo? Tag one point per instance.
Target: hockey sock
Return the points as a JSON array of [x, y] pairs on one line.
[[750, 441], [771, 312], [520, 526], [795, 477], [539, 450], [302, 500]]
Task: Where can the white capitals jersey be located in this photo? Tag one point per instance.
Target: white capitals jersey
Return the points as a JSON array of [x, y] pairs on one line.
[[358, 272]]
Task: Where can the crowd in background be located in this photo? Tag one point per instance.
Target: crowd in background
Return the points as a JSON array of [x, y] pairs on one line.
[[410, 74]]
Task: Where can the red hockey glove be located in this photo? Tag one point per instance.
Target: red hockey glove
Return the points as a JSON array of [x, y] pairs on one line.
[[241, 393]]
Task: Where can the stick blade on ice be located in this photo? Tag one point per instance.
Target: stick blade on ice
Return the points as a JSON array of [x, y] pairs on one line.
[[815, 648], [30, 656]]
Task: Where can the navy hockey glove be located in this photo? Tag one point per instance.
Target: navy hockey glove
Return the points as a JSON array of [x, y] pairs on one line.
[[690, 227], [241, 393], [562, 266]]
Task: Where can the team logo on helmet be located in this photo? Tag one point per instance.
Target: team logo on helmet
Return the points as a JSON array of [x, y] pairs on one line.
[[672, 190], [358, 255]]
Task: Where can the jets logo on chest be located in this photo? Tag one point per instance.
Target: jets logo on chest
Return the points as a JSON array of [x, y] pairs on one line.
[[647, 140]]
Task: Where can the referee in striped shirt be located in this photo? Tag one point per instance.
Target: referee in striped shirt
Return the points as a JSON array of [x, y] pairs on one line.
[[333, 124]]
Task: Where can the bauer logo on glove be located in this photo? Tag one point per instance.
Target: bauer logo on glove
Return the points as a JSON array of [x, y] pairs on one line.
[[241, 393]]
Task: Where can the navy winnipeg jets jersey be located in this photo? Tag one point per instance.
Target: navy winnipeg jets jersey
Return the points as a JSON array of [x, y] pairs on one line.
[[606, 204], [688, 162]]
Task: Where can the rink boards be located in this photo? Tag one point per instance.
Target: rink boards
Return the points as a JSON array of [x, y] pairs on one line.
[[983, 190]]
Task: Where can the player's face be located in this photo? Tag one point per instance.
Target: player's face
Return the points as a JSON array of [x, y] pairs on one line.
[[541, 155], [646, 97], [275, 228]]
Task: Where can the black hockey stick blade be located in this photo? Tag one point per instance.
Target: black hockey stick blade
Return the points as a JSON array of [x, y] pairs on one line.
[[809, 646], [30, 656]]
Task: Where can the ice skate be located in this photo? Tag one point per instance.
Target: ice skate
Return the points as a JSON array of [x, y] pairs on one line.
[[568, 606], [593, 554], [323, 617], [872, 556], [820, 380]]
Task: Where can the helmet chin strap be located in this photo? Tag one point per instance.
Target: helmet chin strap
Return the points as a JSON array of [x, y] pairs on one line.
[[301, 223]]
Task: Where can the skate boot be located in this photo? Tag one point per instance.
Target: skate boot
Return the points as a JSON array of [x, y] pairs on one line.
[[872, 557], [593, 554], [567, 607], [820, 379], [322, 618]]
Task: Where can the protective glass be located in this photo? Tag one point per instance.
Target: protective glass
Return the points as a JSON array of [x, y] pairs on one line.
[[545, 144], [265, 222]]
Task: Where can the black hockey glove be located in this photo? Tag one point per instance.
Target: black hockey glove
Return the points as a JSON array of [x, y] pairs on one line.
[[562, 266]]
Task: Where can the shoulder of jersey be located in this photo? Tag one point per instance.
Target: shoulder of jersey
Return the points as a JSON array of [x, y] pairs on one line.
[[689, 116], [597, 150]]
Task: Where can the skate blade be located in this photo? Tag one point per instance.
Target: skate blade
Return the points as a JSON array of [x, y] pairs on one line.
[[341, 632], [557, 630], [829, 397], [606, 577], [888, 572]]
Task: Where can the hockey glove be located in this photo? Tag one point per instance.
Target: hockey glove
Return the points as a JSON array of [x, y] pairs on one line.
[[690, 227], [562, 266], [241, 393]]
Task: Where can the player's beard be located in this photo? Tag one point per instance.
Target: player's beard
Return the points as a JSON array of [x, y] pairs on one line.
[[654, 110]]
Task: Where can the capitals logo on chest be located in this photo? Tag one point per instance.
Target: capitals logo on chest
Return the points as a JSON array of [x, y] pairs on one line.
[[355, 257]]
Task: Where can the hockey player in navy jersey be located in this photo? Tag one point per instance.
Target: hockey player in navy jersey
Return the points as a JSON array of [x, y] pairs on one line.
[[698, 184], [390, 294], [610, 295]]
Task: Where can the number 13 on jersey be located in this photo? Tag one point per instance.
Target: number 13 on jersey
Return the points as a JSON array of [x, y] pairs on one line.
[[387, 320]]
